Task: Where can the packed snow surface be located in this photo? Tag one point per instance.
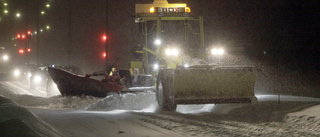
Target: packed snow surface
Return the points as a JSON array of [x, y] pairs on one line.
[[19, 121], [293, 116]]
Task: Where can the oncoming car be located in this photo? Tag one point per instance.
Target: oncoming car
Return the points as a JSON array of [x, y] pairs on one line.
[[38, 77], [21, 72], [41, 79]]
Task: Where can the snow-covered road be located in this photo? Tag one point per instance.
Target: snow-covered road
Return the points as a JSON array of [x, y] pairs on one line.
[[97, 123], [137, 115]]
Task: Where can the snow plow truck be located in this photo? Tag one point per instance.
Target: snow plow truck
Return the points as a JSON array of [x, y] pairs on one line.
[[180, 80]]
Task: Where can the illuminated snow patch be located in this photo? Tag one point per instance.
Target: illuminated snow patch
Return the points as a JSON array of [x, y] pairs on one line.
[[151, 109], [100, 112], [193, 109], [140, 102], [286, 98]]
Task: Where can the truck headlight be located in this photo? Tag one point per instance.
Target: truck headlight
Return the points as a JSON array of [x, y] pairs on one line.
[[218, 51], [16, 73], [29, 74], [172, 52], [5, 57]]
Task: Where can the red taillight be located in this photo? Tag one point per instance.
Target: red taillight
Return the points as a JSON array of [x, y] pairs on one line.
[[21, 51]]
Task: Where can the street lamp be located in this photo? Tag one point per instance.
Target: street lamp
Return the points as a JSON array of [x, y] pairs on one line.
[[48, 27], [42, 12], [6, 11], [5, 4], [48, 5], [18, 15], [5, 57]]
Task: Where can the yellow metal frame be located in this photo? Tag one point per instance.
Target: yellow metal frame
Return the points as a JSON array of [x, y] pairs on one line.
[[143, 15], [145, 8]]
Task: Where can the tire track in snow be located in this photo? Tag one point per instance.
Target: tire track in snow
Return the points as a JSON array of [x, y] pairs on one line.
[[17, 90], [290, 126]]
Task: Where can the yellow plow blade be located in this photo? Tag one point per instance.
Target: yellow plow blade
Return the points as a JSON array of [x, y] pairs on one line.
[[214, 85]]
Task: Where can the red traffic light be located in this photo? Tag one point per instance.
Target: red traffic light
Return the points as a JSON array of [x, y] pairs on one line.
[[104, 37], [29, 32], [23, 36], [21, 51], [18, 36]]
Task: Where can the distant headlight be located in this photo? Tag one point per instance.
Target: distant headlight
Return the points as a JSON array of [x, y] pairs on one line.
[[16, 73], [5, 57], [29, 74], [37, 79]]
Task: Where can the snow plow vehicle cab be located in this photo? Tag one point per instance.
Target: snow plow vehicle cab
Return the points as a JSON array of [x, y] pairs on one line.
[[135, 77]]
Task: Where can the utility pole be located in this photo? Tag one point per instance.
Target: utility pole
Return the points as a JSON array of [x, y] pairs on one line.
[[70, 40], [38, 30], [107, 34], [28, 36]]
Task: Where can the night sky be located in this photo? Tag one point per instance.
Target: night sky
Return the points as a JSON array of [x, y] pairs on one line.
[[272, 25]]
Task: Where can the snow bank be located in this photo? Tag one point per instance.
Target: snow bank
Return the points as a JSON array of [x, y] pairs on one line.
[[140, 101], [19, 121], [76, 102]]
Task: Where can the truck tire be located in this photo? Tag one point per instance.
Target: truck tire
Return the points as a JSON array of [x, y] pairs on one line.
[[164, 88]]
